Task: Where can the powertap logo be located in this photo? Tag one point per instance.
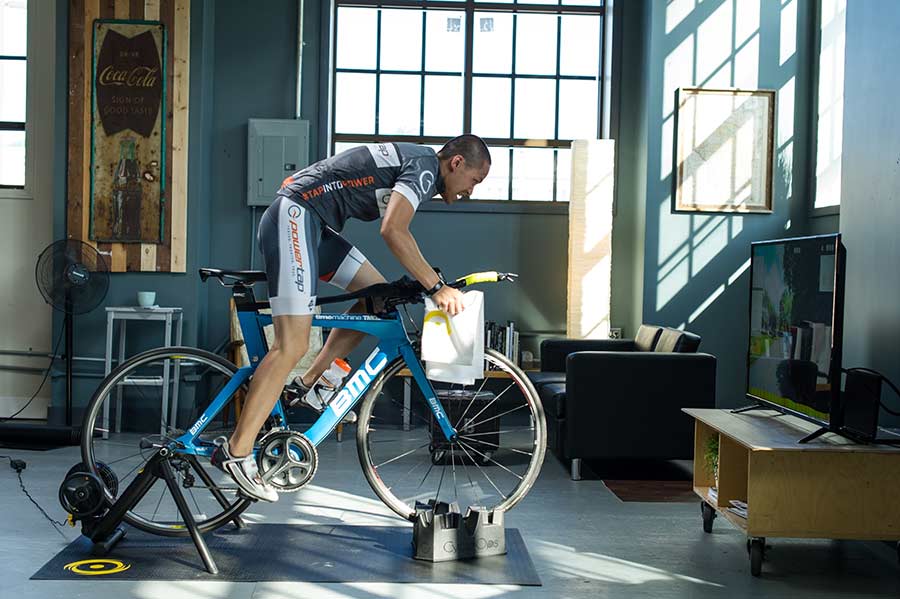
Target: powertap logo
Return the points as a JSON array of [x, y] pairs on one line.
[[97, 567], [294, 213], [358, 383]]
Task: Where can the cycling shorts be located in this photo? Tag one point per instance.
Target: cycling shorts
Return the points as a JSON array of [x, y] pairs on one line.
[[300, 250]]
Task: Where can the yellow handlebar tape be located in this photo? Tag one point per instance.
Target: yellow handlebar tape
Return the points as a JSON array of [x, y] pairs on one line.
[[481, 277]]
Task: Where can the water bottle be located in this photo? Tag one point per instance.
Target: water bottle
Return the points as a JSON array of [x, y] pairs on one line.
[[332, 379]]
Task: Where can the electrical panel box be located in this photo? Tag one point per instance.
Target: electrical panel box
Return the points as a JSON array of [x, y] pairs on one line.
[[276, 148]]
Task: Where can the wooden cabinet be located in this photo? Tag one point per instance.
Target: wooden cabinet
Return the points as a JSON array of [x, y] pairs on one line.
[[829, 488]]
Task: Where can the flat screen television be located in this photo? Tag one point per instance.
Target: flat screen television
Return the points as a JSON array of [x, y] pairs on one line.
[[796, 327]]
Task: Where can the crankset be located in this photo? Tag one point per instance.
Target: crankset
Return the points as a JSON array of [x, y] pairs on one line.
[[287, 460]]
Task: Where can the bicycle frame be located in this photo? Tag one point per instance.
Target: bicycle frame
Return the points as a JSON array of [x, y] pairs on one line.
[[393, 342]]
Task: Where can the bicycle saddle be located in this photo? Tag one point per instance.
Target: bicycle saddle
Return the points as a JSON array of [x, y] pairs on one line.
[[241, 276]]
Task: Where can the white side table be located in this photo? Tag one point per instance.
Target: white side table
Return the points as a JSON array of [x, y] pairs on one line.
[[170, 316]]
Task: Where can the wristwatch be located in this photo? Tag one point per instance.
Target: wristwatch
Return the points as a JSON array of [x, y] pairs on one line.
[[437, 287]]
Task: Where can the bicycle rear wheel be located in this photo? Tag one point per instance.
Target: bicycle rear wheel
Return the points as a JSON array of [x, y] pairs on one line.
[[122, 430], [494, 462]]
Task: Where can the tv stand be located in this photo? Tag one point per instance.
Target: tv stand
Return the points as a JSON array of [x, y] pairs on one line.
[[834, 489]]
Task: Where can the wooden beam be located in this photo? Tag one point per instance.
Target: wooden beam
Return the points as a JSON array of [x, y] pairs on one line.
[[181, 92]]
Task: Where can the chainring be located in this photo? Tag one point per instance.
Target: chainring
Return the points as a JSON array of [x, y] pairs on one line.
[[287, 460]]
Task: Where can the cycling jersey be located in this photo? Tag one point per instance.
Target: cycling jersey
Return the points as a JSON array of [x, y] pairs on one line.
[[358, 182]]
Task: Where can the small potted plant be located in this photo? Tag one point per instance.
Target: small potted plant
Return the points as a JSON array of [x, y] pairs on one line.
[[711, 457]]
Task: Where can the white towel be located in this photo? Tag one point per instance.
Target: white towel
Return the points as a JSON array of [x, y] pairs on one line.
[[453, 347]]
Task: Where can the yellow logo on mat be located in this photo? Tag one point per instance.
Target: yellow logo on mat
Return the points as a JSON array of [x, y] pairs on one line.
[[438, 315], [97, 567]]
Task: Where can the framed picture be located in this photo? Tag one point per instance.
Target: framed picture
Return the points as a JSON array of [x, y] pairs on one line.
[[128, 131], [724, 150]]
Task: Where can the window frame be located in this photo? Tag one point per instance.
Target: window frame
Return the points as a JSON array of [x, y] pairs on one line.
[[469, 8], [32, 50]]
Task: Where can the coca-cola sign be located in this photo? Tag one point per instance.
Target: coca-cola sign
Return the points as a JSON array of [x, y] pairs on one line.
[[129, 82]]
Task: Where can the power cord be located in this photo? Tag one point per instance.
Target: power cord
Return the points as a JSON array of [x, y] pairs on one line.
[[44, 380], [882, 377], [18, 466]]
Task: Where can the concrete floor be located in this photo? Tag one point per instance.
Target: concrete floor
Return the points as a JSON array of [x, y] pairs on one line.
[[583, 540]]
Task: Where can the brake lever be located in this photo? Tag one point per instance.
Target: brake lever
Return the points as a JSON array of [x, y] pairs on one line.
[[507, 276]]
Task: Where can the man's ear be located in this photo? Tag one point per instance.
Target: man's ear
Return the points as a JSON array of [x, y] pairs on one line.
[[457, 162]]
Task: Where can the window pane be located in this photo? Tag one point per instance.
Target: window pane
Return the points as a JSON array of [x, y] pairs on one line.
[[443, 105], [578, 110], [563, 174], [340, 146], [354, 110], [398, 110], [12, 90], [357, 29], [490, 106], [535, 108], [12, 27], [581, 2], [580, 48], [536, 44], [12, 158], [533, 174], [496, 185], [401, 39], [493, 43], [444, 41]]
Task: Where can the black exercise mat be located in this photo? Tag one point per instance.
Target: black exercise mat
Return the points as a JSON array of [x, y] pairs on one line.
[[289, 552]]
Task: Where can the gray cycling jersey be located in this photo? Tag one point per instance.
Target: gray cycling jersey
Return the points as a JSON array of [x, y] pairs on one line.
[[358, 182]]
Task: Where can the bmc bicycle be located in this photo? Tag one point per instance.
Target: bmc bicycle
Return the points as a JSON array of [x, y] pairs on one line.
[[418, 440]]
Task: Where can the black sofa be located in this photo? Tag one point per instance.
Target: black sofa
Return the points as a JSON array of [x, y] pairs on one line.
[[622, 398]]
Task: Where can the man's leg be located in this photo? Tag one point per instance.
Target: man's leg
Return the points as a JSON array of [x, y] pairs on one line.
[[341, 342], [291, 343]]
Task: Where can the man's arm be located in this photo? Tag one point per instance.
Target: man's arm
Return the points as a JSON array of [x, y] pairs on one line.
[[396, 234]]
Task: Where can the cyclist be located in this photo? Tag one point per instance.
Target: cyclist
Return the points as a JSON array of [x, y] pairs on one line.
[[299, 238]]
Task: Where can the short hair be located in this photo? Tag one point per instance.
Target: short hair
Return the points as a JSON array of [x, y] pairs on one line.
[[471, 147]]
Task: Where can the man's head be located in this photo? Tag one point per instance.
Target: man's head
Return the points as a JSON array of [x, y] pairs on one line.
[[465, 162]]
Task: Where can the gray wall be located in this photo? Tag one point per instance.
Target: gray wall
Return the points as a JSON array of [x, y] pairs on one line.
[[692, 264], [870, 190]]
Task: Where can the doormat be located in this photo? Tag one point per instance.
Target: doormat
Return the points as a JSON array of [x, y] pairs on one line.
[[288, 552], [655, 491]]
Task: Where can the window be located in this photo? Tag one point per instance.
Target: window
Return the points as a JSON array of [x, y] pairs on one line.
[[525, 76], [12, 93]]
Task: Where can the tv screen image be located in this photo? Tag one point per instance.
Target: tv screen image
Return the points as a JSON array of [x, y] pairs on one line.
[[793, 357]]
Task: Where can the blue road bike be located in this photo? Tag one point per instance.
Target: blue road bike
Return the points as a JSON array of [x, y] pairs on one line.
[[418, 440]]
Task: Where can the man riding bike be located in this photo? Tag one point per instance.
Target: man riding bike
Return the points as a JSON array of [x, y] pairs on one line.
[[299, 238]]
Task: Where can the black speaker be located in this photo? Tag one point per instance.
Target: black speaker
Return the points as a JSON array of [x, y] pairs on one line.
[[861, 401]]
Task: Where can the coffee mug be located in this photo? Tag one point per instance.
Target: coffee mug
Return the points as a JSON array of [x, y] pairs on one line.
[[146, 298]]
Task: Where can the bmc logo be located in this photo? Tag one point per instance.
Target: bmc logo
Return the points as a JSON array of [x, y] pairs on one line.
[[358, 383], [199, 424]]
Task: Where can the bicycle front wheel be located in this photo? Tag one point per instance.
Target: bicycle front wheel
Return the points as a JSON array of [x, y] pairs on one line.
[[122, 429], [492, 464]]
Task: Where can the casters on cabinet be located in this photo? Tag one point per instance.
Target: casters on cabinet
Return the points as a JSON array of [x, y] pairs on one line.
[[756, 547], [709, 514]]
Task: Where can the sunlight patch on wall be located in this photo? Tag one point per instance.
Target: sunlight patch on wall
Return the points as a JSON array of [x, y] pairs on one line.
[[678, 71], [676, 12], [785, 117], [707, 246], [829, 134], [714, 41], [788, 41], [746, 64], [746, 21]]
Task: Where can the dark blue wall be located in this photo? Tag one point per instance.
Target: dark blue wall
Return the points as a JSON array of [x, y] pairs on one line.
[[694, 266], [870, 191]]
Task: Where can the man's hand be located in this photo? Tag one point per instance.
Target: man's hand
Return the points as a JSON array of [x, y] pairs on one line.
[[449, 299]]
